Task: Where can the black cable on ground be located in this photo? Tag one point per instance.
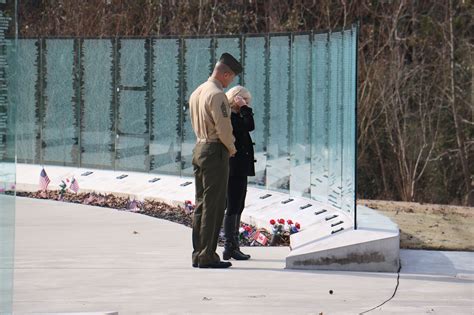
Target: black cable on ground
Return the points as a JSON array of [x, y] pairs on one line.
[[393, 295]]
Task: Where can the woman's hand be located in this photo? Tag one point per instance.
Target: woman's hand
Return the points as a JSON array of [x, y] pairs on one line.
[[239, 101]]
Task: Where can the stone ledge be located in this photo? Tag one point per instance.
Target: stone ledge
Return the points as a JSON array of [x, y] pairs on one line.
[[374, 246]]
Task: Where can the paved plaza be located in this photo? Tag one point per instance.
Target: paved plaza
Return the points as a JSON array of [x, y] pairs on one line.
[[75, 258]]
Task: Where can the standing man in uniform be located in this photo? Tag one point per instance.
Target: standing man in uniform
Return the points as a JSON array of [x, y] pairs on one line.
[[210, 118]]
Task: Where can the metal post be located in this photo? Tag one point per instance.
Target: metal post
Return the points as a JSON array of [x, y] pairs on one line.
[[356, 38], [182, 92], [115, 100], [149, 98], [41, 82], [242, 59], [78, 79]]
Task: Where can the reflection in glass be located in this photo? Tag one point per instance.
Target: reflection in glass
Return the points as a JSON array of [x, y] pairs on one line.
[[132, 123], [348, 90], [300, 179], [278, 166], [23, 77], [165, 141], [198, 67], [130, 97], [10, 96], [229, 45], [320, 120], [97, 127], [132, 62], [59, 129], [255, 82], [335, 120]]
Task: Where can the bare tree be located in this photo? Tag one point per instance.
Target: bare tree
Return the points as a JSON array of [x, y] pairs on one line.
[[415, 72], [462, 152]]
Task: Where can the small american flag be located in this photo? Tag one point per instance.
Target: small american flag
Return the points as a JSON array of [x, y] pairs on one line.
[[74, 185], [260, 238], [44, 180]]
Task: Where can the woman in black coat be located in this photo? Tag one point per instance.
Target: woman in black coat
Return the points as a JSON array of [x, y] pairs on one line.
[[240, 167]]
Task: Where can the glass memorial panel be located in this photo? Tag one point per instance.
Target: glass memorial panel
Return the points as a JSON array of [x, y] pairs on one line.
[[132, 120], [9, 96], [278, 164], [320, 119], [300, 147], [232, 46], [97, 120], [23, 76], [335, 119], [165, 142], [349, 132], [198, 67], [59, 129], [346, 116], [353, 127], [255, 82], [130, 99]]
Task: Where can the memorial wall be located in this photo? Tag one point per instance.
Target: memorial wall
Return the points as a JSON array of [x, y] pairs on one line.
[[122, 104]]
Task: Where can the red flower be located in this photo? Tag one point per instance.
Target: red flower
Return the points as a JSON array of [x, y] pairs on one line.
[[297, 225], [281, 221], [248, 228], [289, 221], [272, 222]]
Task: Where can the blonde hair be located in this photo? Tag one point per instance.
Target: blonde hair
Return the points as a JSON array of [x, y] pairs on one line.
[[238, 90]]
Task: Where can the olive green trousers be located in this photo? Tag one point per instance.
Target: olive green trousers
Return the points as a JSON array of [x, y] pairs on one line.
[[211, 173]]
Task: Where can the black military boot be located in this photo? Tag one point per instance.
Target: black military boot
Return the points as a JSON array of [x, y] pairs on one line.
[[236, 236], [230, 244]]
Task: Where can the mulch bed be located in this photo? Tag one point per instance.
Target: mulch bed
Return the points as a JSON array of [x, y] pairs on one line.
[[152, 208]]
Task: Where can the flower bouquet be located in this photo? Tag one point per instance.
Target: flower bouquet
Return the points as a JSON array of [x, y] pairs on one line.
[[282, 230], [277, 231], [246, 232], [293, 227]]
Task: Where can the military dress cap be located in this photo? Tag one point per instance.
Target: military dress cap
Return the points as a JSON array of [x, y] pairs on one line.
[[231, 62]]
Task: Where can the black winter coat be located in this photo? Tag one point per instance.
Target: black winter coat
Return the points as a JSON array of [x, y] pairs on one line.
[[243, 163]]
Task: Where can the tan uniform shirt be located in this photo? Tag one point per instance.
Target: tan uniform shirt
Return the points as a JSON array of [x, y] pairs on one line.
[[210, 114]]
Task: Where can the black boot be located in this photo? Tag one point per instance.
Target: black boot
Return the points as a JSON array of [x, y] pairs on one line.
[[236, 236], [228, 237], [229, 244]]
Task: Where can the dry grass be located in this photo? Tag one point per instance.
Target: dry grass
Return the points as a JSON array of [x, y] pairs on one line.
[[429, 226]]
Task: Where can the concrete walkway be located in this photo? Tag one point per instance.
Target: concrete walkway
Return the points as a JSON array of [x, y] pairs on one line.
[[75, 258]]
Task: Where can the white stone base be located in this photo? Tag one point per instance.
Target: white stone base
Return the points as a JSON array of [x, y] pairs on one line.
[[374, 246], [319, 244]]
